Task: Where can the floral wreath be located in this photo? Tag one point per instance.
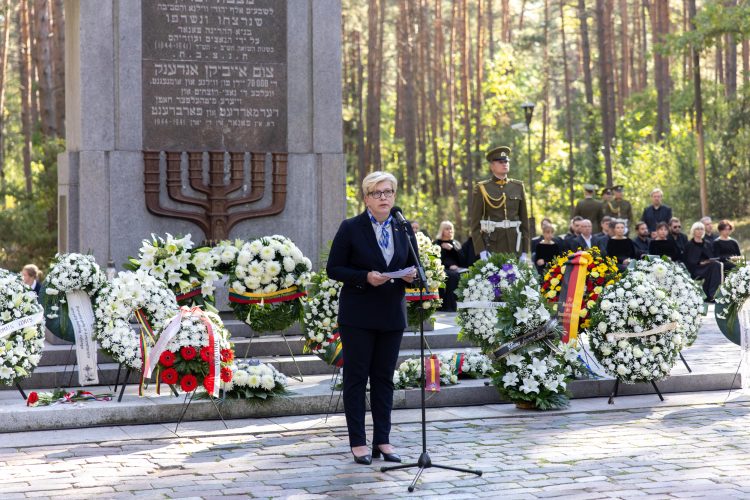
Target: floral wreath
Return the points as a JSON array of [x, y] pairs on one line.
[[537, 373], [189, 273], [255, 380], [435, 272], [188, 357], [21, 329], [682, 289], [408, 374], [730, 297], [482, 289], [471, 364], [131, 294], [320, 320], [69, 272], [267, 283], [224, 254], [634, 330], [601, 273]]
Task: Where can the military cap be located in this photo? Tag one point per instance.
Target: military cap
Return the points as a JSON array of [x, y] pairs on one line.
[[589, 187], [618, 188], [501, 153], [606, 190]]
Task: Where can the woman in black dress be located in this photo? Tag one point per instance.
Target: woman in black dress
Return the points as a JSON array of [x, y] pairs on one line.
[[452, 259], [701, 261], [725, 247], [621, 247], [661, 245], [546, 249]]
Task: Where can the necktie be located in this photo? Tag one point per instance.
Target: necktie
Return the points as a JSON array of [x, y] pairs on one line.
[[384, 237]]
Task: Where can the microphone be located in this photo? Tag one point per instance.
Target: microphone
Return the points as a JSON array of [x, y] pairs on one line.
[[396, 213]]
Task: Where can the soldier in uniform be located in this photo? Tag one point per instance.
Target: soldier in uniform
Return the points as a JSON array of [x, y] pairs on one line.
[[589, 208], [619, 209], [499, 221]]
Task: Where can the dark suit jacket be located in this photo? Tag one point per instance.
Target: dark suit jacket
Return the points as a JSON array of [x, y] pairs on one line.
[[652, 216], [354, 253], [578, 241]]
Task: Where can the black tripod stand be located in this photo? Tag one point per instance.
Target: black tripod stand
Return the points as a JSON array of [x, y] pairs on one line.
[[424, 462]]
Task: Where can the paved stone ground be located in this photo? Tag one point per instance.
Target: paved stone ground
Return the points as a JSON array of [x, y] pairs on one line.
[[693, 445]]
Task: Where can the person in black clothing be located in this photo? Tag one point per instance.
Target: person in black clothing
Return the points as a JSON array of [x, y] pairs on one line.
[[546, 250], [620, 247], [32, 277], [701, 261], [661, 245], [709, 225], [546, 221], [676, 234], [641, 240], [725, 247], [600, 239], [573, 231], [468, 257], [452, 259], [656, 212]]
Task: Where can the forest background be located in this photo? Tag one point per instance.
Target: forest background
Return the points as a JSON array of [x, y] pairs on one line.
[[643, 93]]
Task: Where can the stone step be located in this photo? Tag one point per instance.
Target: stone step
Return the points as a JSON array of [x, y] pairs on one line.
[[308, 398]]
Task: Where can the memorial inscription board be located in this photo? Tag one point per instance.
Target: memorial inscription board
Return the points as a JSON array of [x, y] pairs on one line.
[[214, 75]]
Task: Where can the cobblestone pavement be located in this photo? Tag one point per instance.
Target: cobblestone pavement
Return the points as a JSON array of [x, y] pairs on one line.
[[691, 449]]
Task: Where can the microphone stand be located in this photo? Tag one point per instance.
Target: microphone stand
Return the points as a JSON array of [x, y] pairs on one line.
[[424, 461]]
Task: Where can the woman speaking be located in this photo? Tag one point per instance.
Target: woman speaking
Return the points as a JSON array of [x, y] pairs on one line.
[[372, 311]]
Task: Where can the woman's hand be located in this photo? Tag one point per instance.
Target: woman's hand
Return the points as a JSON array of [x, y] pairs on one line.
[[453, 267], [705, 262], [540, 262], [447, 246], [376, 279], [410, 277]]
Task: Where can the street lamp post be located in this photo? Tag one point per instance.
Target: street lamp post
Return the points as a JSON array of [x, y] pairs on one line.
[[528, 111]]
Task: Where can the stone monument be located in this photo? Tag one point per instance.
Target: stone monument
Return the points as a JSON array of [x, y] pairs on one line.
[[219, 118]]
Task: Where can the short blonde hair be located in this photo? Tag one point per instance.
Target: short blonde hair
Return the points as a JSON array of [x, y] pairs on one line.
[[376, 178], [696, 225], [33, 271], [657, 190], [443, 225]]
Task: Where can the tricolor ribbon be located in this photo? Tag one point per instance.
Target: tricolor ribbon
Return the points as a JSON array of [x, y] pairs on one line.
[[412, 294], [284, 295], [458, 361], [173, 327], [432, 373], [146, 334], [571, 294], [189, 294]]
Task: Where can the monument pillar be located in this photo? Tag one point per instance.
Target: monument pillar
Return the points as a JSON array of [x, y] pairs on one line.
[[252, 84]]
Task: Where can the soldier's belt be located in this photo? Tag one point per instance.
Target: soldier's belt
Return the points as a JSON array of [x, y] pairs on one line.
[[488, 226]]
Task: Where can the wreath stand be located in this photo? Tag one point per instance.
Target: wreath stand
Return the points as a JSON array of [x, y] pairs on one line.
[[73, 369], [186, 404], [291, 353], [684, 362], [617, 386], [128, 371]]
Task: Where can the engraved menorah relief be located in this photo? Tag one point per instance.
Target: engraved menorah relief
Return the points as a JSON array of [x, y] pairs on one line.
[[215, 217]]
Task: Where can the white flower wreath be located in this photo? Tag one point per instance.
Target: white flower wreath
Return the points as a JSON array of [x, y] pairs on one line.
[[255, 381], [20, 348], [473, 365], [682, 289], [733, 292], [321, 312], [71, 272], [116, 306], [620, 326], [482, 285], [408, 374]]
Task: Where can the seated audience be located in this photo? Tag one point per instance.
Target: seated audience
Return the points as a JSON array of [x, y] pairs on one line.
[[641, 240], [620, 247], [701, 262], [662, 245], [709, 225], [725, 248], [450, 255], [547, 249]]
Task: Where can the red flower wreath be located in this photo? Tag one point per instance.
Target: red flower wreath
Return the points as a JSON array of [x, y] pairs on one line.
[[169, 376], [227, 355], [167, 358], [188, 353], [226, 374], [206, 354]]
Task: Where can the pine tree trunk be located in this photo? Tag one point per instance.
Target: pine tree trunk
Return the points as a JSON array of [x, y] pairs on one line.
[[644, 46], [588, 80], [545, 84], [507, 24], [374, 77], [3, 72], [359, 92], [478, 97], [24, 54], [568, 118], [731, 60], [660, 31], [45, 68], [606, 80], [698, 107], [745, 62], [436, 96], [58, 62], [624, 90], [466, 97], [490, 28]]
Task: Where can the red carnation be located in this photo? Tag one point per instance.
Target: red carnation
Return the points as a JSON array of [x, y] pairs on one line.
[[188, 352], [169, 376], [188, 383], [227, 355], [34, 398], [208, 384], [226, 374], [167, 358], [206, 353], [600, 281]]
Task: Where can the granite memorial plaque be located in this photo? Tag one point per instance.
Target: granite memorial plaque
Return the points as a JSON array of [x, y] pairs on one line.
[[214, 75]]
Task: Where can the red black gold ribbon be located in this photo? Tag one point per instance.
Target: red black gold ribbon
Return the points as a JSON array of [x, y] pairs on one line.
[[571, 293], [432, 374]]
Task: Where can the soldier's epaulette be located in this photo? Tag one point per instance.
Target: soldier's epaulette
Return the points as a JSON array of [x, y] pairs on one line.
[[486, 181], [516, 181]]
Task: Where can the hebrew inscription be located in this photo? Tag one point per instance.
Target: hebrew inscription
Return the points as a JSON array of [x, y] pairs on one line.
[[214, 75]]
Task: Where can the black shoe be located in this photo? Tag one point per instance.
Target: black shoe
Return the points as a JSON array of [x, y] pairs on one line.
[[388, 457], [364, 459]]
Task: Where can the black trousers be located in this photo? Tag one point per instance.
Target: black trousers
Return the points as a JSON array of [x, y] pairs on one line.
[[711, 274], [448, 294], [369, 354]]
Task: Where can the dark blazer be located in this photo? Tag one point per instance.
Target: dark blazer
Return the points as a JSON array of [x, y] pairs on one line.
[[354, 253], [652, 216], [695, 253]]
